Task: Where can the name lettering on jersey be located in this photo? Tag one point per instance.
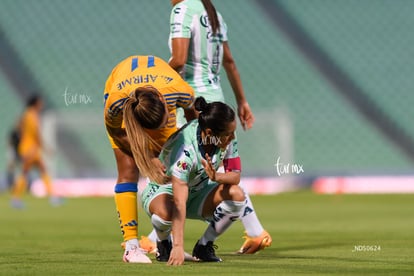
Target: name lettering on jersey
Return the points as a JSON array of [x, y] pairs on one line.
[[166, 78], [148, 78]]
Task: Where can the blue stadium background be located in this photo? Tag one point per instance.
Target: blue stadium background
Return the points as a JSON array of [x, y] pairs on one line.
[[339, 74]]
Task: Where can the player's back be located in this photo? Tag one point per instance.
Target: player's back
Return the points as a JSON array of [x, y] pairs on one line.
[[139, 71], [189, 20]]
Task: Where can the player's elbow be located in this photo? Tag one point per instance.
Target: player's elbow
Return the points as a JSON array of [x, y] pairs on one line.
[[177, 63], [237, 178], [234, 178]]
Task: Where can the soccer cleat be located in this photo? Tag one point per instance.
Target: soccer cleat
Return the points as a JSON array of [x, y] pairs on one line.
[[136, 255], [148, 245], [164, 249], [254, 244], [205, 253]]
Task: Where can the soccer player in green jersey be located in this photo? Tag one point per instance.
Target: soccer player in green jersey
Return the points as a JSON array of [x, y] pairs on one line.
[[199, 48], [197, 191]]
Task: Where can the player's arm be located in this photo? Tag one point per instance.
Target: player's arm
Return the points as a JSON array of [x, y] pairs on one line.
[[186, 101], [113, 122], [190, 114], [179, 52], [180, 196], [243, 109], [231, 176]]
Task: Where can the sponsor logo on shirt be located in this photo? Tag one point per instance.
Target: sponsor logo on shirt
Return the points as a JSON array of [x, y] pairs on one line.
[[182, 165]]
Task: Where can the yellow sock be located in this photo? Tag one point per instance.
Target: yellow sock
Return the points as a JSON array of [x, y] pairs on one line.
[[48, 183], [126, 205], [19, 187]]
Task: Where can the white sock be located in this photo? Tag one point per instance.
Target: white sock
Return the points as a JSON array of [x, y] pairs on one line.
[[153, 235], [161, 226], [249, 218], [131, 244], [224, 215]]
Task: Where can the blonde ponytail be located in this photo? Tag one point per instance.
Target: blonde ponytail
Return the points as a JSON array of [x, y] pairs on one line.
[[144, 109]]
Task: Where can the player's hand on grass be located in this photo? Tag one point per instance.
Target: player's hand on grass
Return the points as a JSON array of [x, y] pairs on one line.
[[176, 256], [208, 167]]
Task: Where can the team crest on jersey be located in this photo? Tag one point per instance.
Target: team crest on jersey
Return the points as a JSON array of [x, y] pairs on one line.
[[182, 165]]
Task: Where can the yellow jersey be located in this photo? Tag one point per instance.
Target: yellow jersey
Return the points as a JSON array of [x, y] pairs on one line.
[[30, 133], [139, 71]]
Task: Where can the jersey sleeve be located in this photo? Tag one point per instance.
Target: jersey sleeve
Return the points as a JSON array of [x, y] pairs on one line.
[[180, 163], [180, 22], [113, 114], [223, 27], [186, 98], [178, 90], [232, 161]]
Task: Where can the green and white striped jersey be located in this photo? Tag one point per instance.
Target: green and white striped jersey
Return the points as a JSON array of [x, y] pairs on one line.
[[205, 54]]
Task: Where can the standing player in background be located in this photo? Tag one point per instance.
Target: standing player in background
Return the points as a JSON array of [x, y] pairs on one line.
[[30, 149], [141, 96], [199, 47]]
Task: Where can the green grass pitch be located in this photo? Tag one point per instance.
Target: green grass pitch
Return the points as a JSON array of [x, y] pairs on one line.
[[312, 234]]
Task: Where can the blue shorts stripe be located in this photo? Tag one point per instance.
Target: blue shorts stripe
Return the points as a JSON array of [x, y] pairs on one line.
[[126, 187]]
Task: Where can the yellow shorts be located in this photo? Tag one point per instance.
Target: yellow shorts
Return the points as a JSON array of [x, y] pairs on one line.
[[111, 140], [30, 153]]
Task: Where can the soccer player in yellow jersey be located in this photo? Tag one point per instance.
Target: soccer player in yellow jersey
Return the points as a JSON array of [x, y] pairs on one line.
[[140, 100], [30, 150]]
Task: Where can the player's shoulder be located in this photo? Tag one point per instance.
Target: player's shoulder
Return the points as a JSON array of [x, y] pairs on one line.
[[189, 6], [186, 135]]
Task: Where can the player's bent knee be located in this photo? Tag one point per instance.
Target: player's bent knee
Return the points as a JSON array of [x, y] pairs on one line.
[[162, 206], [236, 193]]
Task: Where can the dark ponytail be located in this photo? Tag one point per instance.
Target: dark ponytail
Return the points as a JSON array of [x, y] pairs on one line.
[[215, 116], [212, 15]]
